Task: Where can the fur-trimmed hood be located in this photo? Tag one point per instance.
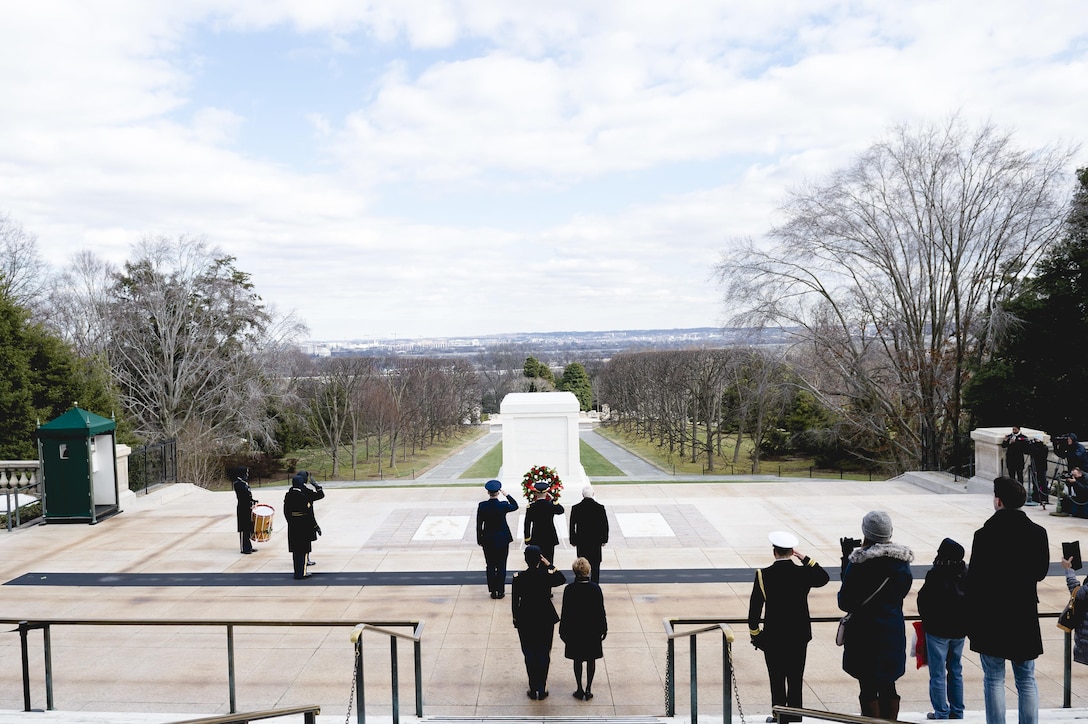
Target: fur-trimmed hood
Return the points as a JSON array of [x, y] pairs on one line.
[[882, 550]]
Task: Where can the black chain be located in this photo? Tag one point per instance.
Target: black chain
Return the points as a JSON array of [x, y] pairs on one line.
[[736, 689], [354, 679]]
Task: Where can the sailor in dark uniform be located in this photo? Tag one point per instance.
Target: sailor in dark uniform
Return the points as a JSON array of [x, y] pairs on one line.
[[782, 589], [494, 536]]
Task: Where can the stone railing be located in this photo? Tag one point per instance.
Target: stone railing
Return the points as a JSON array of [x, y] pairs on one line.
[[18, 475]]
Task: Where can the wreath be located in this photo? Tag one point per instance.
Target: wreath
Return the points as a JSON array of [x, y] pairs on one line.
[[540, 474]]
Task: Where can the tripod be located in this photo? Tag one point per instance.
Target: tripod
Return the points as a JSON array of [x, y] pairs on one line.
[[1037, 485]]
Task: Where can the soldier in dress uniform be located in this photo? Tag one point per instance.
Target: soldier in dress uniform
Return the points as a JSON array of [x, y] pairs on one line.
[[535, 616], [540, 521], [302, 529], [494, 536], [780, 594], [244, 511]]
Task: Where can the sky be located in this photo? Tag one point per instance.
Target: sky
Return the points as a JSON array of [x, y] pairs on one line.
[[419, 168]]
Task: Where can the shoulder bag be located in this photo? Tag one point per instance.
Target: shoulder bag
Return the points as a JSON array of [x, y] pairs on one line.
[[1073, 613], [840, 634]]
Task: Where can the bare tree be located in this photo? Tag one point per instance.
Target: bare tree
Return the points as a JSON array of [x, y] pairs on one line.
[[888, 274], [22, 272], [184, 326], [78, 301]]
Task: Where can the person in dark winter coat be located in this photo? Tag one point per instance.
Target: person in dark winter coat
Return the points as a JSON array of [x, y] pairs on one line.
[[244, 510], [535, 616], [583, 626], [1016, 445], [942, 604], [589, 531], [1009, 556], [1080, 635], [494, 536], [875, 581], [540, 521], [783, 589], [302, 528]]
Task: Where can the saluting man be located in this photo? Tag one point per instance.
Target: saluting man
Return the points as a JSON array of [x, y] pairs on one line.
[[782, 590], [494, 536]]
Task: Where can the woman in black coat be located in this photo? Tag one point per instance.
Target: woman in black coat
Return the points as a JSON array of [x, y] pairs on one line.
[[535, 616], [876, 578], [583, 626]]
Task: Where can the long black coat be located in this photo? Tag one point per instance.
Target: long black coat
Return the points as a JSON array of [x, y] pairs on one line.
[[583, 624], [491, 526], [1009, 556], [244, 511], [298, 510], [876, 638], [540, 522], [531, 597], [588, 524], [787, 620]]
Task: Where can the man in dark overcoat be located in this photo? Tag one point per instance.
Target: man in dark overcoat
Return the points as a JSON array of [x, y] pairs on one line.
[[1009, 556], [540, 521], [298, 510], [782, 589], [244, 511], [494, 536], [589, 531]]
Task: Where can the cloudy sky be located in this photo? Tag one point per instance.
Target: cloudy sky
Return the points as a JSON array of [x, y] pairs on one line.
[[440, 168]]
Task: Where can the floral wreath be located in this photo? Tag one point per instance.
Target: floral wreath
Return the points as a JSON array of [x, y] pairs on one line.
[[539, 474]]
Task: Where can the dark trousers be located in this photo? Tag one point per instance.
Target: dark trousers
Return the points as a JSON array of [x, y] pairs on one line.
[[786, 669], [593, 555], [495, 560], [536, 647], [298, 559], [245, 542], [548, 551]]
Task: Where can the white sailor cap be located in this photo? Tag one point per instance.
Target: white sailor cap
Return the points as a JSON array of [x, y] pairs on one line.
[[782, 539]]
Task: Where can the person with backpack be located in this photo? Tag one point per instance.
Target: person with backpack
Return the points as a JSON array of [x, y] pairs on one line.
[[942, 604]]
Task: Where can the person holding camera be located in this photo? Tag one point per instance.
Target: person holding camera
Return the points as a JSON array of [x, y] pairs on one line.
[[782, 588], [535, 616], [1069, 449], [875, 580], [1015, 444], [302, 528]]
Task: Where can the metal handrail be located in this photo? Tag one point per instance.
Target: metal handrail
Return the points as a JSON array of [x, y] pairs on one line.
[[383, 626], [414, 637], [309, 715], [722, 624]]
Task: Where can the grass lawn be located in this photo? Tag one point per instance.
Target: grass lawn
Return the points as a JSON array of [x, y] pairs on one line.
[[593, 462], [319, 462], [724, 465]]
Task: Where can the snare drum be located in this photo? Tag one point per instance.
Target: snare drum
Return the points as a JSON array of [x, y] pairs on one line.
[[262, 522]]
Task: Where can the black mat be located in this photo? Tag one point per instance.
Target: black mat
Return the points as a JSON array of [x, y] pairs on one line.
[[410, 578]]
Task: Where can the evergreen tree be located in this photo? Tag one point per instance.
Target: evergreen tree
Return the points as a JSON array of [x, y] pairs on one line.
[[1038, 376], [40, 378], [575, 379]]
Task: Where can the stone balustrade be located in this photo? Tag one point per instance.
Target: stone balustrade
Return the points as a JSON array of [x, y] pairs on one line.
[[18, 475]]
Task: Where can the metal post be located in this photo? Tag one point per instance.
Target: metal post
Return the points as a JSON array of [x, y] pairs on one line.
[[694, 660], [1067, 672], [727, 678], [418, 650], [360, 711], [23, 628], [230, 669], [670, 679], [395, 682], [47, 643]]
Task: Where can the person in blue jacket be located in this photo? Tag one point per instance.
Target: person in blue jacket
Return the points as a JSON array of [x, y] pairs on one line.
[[876, 578]]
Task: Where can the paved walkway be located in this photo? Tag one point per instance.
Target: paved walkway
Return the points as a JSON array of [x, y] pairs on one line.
[[173, 554]]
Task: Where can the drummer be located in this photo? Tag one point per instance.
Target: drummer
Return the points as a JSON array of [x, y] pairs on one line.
[[245, 509]]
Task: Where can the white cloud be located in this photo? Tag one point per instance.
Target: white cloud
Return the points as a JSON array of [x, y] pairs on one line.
[[642, 137]]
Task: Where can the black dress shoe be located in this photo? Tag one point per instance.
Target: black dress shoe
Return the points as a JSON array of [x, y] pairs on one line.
[[579, 695], [588, 695], [494, 594], [311, 563], [531, 694], [500, 594], [542, 695]]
